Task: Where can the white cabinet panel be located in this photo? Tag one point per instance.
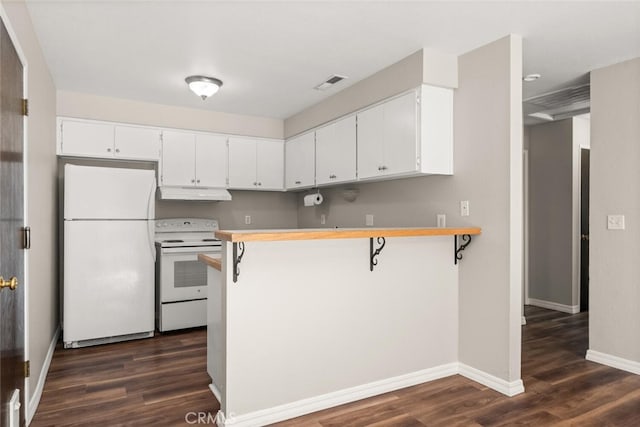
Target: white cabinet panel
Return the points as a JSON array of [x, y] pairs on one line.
[[137, 143], [87, 138], [370, 140], [242, 163], [256, 164], [270, 165], [178, 154], [388, 138], [80, 138], [211, 160], [336, 152], [300, 161]]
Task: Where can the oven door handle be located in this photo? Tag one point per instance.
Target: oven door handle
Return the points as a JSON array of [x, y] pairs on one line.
[[193, 250]]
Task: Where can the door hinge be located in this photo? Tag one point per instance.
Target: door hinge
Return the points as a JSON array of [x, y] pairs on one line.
[[26, 237], [25, 107], [27, 368]]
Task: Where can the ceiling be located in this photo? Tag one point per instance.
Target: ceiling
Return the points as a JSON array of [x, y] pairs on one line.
[[270, 55]]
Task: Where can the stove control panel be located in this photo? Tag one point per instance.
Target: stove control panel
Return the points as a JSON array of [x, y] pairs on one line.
[[169, 225]]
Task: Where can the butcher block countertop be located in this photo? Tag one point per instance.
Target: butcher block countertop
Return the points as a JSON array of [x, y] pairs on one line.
[[211, 262], [339, 233]]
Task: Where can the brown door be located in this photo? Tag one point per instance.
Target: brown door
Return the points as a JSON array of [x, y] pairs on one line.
[[11, 226], [584, 230]]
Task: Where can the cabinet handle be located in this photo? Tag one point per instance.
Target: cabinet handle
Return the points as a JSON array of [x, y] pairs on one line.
[[379, 168], [193, 181], [332, 177], [117, 150], [259, 183], [108, 150], [198, 181], [255, 183], [384, 168], [298, 182]]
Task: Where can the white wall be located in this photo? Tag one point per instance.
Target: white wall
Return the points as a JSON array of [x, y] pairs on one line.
[[40, 193], [614, 306], [88, 106], [488, 173]]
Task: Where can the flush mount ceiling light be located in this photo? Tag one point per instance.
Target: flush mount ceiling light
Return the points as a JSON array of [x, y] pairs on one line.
[[203, 86], [531, 77]]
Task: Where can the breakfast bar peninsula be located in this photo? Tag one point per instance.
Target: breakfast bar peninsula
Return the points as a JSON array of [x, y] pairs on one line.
[[305, 319]]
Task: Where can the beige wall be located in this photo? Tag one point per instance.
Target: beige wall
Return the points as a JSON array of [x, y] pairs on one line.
[[488, 173], [40, 193], [614, 306], [550, 212], [267, 210], [87, 106], [424, 66]]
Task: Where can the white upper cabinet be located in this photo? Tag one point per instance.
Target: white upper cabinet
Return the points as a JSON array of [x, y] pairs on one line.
[[336, 152], [300, 161], [408, 135], [211, 160], [86, 138], [193, 159], [256, 164]]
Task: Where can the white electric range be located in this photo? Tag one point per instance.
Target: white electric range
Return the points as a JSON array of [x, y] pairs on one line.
[[181, 280]]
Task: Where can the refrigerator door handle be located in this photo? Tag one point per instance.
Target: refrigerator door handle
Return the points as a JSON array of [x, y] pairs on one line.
[[151, 219], [150, 231]]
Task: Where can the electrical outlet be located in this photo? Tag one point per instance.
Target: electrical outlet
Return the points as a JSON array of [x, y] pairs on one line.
[[368, 219], [247, 219], [323, 219], [615, 222], [441, 220], [464, 208]]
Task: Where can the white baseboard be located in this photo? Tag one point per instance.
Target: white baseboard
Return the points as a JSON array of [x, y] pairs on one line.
[[37, 393], [498, 384], [614, 361], [571, 309], [317, 403], [215, 392], [523, 321]]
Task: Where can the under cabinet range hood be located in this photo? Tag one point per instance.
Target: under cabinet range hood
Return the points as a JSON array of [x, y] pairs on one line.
[[193, 193]]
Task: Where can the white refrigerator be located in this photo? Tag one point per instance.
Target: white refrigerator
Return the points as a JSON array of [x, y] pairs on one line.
[[109, 255]]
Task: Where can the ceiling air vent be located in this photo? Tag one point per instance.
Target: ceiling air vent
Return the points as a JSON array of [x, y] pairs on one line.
[[330, 82], [560, 104]]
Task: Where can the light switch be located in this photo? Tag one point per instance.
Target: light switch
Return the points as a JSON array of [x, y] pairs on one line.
[[464, 208], [441, 220], [247, 219], [615, 222], [323, 219], [368, 219]]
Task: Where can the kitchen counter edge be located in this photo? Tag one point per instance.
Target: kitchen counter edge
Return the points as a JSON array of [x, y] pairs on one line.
[[340, 233]]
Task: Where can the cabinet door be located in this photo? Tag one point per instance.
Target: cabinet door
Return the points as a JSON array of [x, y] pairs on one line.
[[211, 160], [400, 147], [336, 152], [178, 154], [87, 139], [300, 161], [137, 143], [270, 165], [242, 163], [370, 140]]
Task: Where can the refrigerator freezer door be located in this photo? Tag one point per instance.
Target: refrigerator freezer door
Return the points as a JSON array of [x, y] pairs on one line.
[[108, 279], [108, 193]]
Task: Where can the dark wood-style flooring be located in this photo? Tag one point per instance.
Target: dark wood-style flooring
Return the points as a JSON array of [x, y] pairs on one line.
[[158, 381]]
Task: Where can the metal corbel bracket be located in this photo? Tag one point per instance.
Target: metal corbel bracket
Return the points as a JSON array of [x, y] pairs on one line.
[[237, 259], [457, 251], [373, 254]]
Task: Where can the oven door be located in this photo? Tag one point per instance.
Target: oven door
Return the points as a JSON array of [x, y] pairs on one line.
[[182, 276]]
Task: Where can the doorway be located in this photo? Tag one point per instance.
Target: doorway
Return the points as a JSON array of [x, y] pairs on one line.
[[12, 244], [584, 228]]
